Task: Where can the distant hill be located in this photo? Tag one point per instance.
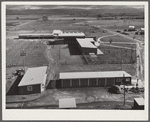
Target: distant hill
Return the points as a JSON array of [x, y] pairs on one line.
[[74, 10]]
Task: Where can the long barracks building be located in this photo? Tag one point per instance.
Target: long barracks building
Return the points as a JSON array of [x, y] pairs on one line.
[[93, 79]]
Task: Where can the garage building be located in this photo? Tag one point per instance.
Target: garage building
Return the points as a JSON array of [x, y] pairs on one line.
[[93, 79], [33, 81]]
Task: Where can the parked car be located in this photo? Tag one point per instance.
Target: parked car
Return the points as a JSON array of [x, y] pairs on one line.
[[115, 89], [118, 31], [20, 72], [125, 33], [136, 33]]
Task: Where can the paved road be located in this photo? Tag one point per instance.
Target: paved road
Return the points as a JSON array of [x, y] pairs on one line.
[[99, 39]]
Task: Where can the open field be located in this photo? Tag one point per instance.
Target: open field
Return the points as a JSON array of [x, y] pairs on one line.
[[116, 24], [124, 24], [116, 55], [34, 54]]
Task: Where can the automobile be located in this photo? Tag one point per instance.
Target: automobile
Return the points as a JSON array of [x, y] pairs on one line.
[[118, 31], [115, 89], [136, 33], [20, 72], [125, 33]]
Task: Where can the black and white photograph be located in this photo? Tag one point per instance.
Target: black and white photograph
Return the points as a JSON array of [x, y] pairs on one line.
[[75, 60]]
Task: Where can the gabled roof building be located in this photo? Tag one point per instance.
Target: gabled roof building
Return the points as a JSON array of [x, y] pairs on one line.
[[33, 81]]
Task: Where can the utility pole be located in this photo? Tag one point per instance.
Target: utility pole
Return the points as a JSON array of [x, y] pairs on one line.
[[124, 87], [24, 62], [59, 52], [121, 58], [131, 54], [22, 53]]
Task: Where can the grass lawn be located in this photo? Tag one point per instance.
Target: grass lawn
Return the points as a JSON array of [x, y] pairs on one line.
[[114, 55]]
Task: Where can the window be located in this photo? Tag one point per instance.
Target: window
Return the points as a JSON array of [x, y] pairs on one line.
[[29, 88], [118, 80], [127, 79]]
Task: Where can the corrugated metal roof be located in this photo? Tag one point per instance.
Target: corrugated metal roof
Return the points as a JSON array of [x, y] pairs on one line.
[[57, 32], [72, 34], [106, 74], [140, 101], [36, 34], [90, 39], [33, 76], [67, 103], [85, 43]]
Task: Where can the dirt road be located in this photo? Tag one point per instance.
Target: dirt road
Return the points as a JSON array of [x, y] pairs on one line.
[[139, 49]]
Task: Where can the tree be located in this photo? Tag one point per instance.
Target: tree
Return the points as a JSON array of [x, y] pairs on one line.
[[17, 17], [45, 18], [99, 16], [110, 40]]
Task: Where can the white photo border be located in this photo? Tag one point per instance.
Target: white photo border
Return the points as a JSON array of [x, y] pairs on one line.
[[51, 114]]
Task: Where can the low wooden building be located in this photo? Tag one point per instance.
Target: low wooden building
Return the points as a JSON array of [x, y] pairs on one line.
[[138, 103], [33, 81], [93, 79], [67, 103], [87, 46], [35, 36]]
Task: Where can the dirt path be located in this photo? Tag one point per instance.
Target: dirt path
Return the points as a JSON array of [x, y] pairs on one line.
[[14, 28], [99, 39], [52, 65]]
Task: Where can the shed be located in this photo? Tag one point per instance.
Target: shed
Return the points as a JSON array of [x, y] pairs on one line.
[[131, 28], [33, 81], [139, 103], [67, 103], [93, 79]]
